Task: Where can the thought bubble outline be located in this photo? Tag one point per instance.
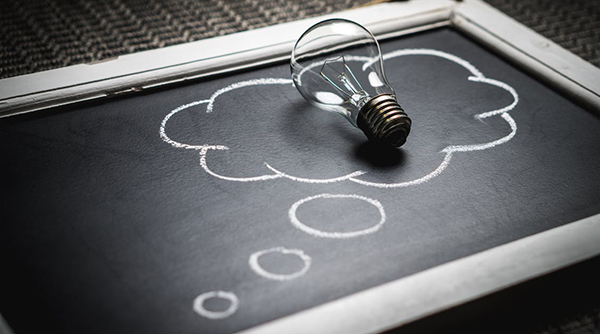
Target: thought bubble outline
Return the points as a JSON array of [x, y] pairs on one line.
[[476, 76]]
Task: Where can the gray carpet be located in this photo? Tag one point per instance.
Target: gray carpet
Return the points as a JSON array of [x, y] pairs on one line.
[[574, 24], [38, 35]]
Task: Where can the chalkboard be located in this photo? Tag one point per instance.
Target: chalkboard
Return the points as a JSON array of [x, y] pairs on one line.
[[224, 204]]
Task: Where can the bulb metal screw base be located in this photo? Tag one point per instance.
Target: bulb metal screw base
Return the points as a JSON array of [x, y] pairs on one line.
[[383, 120]]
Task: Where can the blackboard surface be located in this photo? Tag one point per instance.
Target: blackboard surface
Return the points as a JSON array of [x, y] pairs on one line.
[[109, 227]]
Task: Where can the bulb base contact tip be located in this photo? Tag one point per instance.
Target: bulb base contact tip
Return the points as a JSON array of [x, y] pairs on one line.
[[383, 120]]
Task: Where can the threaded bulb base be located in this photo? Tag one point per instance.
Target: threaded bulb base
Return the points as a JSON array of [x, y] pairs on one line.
[[383, 120]]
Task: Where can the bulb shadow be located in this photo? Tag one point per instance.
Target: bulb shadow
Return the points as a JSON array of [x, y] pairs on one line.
[[300, 124], [379, 155]]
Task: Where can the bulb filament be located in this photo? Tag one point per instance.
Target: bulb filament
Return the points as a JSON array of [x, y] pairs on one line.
[[358, 97]]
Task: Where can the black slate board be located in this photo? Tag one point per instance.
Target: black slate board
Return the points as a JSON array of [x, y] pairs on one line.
[[108, 228]]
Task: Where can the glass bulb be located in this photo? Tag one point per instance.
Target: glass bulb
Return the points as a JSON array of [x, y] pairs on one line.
[[337, 66]]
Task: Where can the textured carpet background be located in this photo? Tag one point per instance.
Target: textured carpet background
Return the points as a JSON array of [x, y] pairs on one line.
[[38, 35]]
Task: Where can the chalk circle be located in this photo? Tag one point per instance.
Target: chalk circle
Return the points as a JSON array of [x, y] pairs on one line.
[[336, 235], [258, 269], [200, 309]]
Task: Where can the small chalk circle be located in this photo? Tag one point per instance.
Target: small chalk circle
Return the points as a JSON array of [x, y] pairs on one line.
[[336, 235], [259, 270], [201, 310]]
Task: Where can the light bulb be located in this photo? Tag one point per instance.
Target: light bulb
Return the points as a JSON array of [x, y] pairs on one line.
[[337, 66]]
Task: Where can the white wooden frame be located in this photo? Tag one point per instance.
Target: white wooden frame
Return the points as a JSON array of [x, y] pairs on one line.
[[406, 299]]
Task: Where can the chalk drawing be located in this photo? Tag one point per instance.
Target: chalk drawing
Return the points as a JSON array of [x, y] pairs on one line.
[[299, 179], [200, 309], [204, 149], [423, 179], [238, 85], [258, 269], [475, 76], [336, 235]]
